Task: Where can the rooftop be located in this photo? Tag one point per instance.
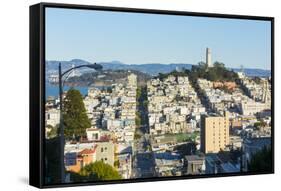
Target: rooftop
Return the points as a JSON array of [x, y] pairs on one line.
[[194, 157], [257, 142], [87, 151]]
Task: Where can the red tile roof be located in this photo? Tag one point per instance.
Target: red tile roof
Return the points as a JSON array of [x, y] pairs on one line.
[[87, 151]]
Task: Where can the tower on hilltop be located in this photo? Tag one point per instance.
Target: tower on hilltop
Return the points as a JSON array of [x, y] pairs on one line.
[[209, 57]]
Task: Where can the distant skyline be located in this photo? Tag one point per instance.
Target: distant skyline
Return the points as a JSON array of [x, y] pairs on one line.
[[134, 38]]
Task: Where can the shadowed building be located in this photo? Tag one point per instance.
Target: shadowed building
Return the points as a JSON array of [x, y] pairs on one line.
[[195, 164]]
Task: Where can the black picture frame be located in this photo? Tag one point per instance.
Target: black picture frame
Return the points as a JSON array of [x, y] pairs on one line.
[[37, 90]]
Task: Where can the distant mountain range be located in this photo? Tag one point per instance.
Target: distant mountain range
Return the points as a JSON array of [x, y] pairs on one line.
[[149, 68]]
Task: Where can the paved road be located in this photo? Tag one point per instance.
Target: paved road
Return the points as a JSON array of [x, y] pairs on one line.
[[143, 160], [144, 163]]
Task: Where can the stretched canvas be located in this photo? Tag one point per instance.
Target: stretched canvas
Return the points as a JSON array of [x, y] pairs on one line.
[[127, 95]]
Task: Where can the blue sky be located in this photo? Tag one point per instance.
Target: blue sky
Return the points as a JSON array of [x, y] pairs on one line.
[[133, 38]]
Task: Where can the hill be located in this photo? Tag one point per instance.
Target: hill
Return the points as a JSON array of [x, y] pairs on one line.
[[149, 68], [152, 69], [107, 78]]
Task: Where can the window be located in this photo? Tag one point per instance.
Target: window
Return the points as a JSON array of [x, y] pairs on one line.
[[101, 150]]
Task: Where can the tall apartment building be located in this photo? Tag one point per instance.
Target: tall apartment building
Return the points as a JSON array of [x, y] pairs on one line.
[[214, 133]]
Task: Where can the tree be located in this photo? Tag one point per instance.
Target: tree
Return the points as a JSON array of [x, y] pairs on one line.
[[138, 92], [145, 103], [202, 65], [137, 134], [257, 80], [259, 124], [216, 73], [117, 163], [138, 119], [219, 64], [75, 118], [261, 161], [98, 171], [162, 76], [212, 75], [53, 131]]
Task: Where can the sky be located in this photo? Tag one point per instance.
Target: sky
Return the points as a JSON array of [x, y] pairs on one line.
[[135, 38]]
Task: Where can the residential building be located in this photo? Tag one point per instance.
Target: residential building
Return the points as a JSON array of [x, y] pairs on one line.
[[221, 163], [52, 117], [105, 152], [76, 161], [253, 107], [195, 164], [214, 133]]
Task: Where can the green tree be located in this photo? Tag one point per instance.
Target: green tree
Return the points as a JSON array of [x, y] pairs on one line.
[[259, 124], [212, 75], [202, 65], [137, 134], [216, 73], [138, 92], [257, 80], [219, 65], [162, 76], [145, 103], [116, 164], [75, 118], [261, 161], [98, 171], [53, 131], [138, 119]]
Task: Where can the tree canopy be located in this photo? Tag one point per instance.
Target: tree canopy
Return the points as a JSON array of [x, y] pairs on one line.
[[175, 73], [96, 171], [216, 73], [75, 118], [261, 161], [53, 131]]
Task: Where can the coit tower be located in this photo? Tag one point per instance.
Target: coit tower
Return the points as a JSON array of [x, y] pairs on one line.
[[209, 57]]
